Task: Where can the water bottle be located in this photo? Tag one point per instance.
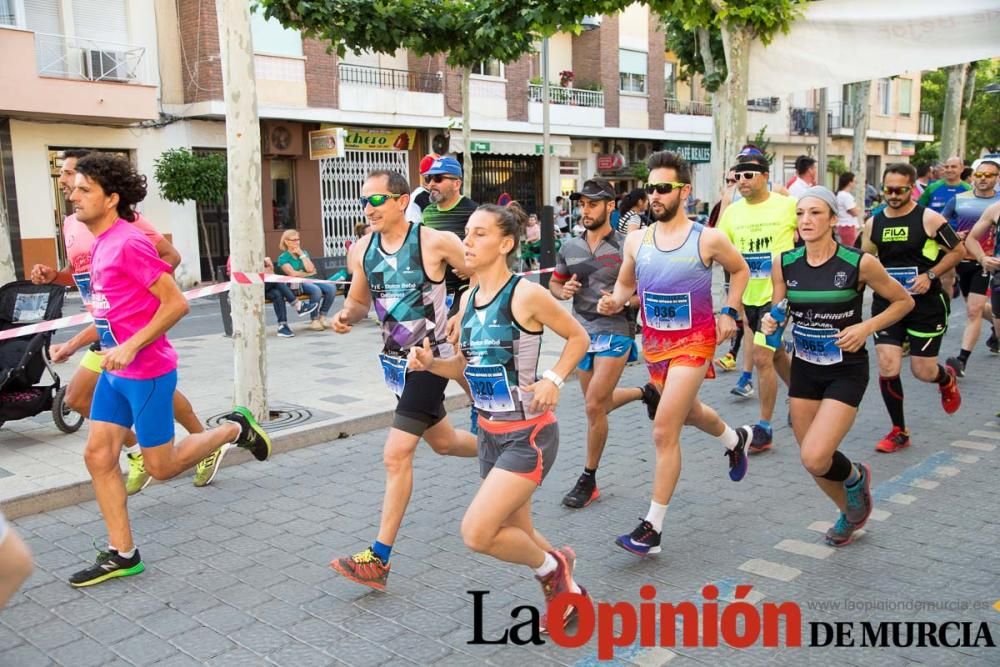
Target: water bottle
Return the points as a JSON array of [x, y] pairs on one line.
[[779, 313]]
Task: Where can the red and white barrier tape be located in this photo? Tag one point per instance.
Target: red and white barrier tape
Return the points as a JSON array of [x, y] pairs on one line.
[[239, 278]]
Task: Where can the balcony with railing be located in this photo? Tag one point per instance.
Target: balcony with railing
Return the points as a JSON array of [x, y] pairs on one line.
[[386, 90], [567, 106], [926, 123], [690, 118], [842, 116], [75, 77]]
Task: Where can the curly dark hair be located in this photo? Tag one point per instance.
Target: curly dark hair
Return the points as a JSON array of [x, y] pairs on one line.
[[115, 176]]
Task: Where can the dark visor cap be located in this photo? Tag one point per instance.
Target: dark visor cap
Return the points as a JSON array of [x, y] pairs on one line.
[[595, 189]]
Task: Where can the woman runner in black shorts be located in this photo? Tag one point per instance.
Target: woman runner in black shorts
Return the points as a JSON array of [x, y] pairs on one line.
[[502, 320], [824, 283]]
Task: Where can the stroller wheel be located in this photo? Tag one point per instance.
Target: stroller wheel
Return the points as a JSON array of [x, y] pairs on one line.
[[66, 419]]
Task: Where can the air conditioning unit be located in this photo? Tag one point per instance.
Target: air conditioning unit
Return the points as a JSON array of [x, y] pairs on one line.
[[283, 139], [105, 65], [641, 150]]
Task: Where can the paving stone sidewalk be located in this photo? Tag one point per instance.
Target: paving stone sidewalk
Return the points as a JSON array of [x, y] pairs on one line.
[[237, 573]]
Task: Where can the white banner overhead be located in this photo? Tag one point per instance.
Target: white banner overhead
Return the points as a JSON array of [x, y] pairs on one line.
[[843, 41]]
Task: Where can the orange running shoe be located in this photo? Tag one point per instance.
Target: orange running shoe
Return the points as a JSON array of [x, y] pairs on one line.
[[951, 398], [364, 568], [896, 440]]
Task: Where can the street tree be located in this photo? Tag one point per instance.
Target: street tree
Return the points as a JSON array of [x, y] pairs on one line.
[[712, 38], [201, 178], [861, 111], [952, 116]]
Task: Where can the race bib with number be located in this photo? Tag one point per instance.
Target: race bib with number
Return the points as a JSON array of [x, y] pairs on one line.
[[600, 343], [667, 312], [489, 387], [817, 346], [904, 275], [82, 281], [760, 264], [104, 333], [394, 373]]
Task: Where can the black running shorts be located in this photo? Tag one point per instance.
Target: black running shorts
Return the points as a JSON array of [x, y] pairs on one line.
[[422, 404], [841, 382], [923, 327], [972, 278]]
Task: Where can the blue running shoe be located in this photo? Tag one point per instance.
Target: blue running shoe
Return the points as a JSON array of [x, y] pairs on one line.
[[738, 461], [641, 541], [743, 389], [474, 421], [859, 498], [841, 533]]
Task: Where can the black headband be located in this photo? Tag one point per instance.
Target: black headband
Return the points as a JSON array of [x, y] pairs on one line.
[[749, 166]]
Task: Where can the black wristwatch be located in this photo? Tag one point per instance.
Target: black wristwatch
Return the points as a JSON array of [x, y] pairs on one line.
[[931, 275], [732, 312]]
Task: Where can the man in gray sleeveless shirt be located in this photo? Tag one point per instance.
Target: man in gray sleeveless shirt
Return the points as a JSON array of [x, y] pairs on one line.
[[586, 268]]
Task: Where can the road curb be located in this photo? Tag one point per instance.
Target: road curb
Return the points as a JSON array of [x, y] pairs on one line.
[[306, 435]]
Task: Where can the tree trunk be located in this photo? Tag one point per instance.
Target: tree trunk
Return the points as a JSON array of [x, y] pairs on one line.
[[246, 225], [952, 111], [466, 135], [7, 271], [859, 156], [967, 95], [733, 134], [204, 238], [719, 160]]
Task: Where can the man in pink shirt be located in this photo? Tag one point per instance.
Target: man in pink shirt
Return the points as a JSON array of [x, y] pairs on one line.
[[80, 391], [135, 301]]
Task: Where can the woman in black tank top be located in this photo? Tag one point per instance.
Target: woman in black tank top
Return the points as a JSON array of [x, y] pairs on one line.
[[824, 283]]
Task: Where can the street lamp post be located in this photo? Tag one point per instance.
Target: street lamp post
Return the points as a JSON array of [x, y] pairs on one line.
[[547, 256]]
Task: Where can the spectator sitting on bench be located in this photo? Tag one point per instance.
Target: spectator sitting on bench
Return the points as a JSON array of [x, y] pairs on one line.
[[279, 293], [295, 262]]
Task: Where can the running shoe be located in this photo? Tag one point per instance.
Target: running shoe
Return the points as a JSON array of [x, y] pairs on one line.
[[584, 492], [285, 331], [726, 363], [951, 398], [570, 614], [993, 343], [859, 498], [304, 308], [641, 541], [743, 389], [109, 564], [252, 436], [841, 533], [738, 462], [558, 581], [570, 556], [138, 479], [316, 325], [957, 365], [207, 468], [364, 568], [325, 322], [894, 441], [474, 421], [762, 439], [651, 399]]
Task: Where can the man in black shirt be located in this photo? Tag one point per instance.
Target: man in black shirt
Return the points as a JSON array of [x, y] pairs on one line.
[[448, 211]]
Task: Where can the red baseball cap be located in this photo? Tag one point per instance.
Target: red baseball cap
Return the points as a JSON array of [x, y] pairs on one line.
[[427, 161]]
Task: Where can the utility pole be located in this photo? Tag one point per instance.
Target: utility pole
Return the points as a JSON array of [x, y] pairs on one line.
[[246, 225]]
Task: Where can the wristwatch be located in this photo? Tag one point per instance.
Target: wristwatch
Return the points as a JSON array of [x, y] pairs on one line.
[[554, 378], [732, 312], [930, 274]]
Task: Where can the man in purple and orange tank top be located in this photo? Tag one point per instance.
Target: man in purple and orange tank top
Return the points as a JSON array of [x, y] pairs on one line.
[[670, 263]]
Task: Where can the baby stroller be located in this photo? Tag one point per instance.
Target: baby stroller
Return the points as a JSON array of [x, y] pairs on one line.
[[24, 359]]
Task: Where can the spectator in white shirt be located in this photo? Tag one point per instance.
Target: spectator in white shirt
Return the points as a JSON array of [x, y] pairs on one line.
[[848, 212]]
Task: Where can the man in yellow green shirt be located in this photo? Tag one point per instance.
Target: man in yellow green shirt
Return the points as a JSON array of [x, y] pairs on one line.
[[761, 225]]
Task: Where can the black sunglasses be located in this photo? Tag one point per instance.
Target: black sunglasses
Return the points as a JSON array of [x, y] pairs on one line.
[[663, 188], [437, 178]]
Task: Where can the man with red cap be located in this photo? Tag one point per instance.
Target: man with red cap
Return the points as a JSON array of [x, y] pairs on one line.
[[421, 197]]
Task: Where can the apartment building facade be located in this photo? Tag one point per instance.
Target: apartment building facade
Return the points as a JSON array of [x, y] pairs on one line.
[[154, 81]]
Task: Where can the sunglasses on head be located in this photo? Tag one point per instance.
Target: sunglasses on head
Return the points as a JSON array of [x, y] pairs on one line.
[[898, 190], [663, 188], [984, 174], [745, 175], [377, 200], [437, 178]]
